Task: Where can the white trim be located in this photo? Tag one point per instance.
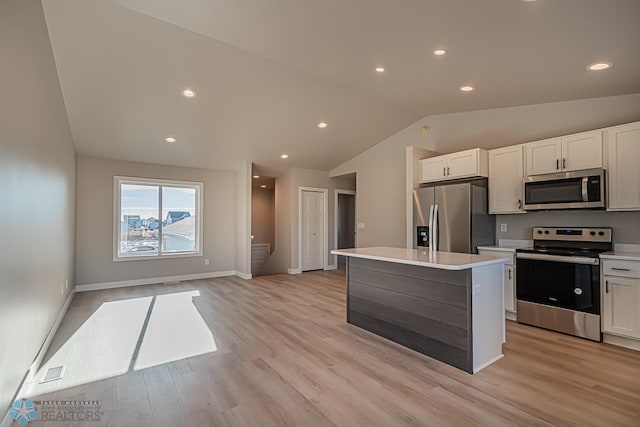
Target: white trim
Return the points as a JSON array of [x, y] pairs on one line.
[[294, 270], [245, 276], [153, 281], [325, 225], [511, 316], [331, 267], [33, 369], [117, 232], [630, 343], [335, 223]]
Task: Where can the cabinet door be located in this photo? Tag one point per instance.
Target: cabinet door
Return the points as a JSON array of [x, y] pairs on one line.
[[582, 151], [621, 306], [509, 288], [624, 167], [505, 180], [464, 163], [543, 156], [433, 169]]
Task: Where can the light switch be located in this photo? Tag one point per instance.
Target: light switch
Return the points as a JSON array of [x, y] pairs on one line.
[[503, 228]]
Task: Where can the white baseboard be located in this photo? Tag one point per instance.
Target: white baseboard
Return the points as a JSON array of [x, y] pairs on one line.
[[511, 316], [245, 276], [152, 281], [331, 267], [294, 270], [629, 343], [33, 369]]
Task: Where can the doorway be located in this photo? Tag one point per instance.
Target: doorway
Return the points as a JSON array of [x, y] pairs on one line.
[[345, 227], [312, 229]]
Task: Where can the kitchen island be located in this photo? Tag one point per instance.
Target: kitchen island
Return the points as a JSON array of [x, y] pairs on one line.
[[448, 306]]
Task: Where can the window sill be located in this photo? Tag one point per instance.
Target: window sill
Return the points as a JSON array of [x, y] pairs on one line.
[[156, 257]]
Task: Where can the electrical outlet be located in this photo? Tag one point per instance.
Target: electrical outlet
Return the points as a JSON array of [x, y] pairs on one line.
[[361, 226], [206, 261], [62, 290], [503, 228], [66, 284]]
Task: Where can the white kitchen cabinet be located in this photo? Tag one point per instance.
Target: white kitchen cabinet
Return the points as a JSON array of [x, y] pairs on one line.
[[463, 164], [582, 151], [509, 274], [565, 154], [623, 148], [621, 306], [543, 156], [433, 169], [506, 171]]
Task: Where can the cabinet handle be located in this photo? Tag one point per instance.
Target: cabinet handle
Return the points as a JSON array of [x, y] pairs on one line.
[[519, 204], [509, 274], [620, 269], [448, 173], [606, 286], [564, 163], [557, 164], [444, 171]]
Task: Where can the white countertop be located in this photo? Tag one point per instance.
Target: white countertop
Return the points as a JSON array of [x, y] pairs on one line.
[[422, 258], [627, 256], [499, 248], [508, 245]]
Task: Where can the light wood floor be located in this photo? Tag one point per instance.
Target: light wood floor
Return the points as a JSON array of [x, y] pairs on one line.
[[285, 356]]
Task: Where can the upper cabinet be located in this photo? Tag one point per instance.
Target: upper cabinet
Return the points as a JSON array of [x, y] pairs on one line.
[[623, 149], [464, 164], [564, 154], [506, 171]]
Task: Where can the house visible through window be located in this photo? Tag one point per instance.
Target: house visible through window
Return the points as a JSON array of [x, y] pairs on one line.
[[156, 218]]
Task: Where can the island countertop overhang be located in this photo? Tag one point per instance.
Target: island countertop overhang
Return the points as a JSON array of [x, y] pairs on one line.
[[422, 258]]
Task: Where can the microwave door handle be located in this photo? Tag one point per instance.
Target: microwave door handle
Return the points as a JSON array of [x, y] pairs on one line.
[[585, 189]]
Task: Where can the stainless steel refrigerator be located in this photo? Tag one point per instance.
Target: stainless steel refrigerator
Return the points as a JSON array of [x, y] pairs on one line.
[[453, 217]]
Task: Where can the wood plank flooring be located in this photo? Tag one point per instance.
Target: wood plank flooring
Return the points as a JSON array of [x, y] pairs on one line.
[[286, 357]]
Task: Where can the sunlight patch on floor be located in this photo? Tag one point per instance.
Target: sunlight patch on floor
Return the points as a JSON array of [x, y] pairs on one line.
[[102, 347], [175, 331]]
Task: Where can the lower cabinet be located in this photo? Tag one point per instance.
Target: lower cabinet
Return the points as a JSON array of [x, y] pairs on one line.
[[509, 276], [621, 305]]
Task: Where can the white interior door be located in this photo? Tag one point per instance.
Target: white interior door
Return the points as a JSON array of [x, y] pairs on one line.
[[312, 230]]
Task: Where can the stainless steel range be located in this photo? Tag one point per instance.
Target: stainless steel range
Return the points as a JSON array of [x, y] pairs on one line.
[[558, 281]]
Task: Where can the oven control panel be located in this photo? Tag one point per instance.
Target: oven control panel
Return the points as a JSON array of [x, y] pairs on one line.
[[572, 234]]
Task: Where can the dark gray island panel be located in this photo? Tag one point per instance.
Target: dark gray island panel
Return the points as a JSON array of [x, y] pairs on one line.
[[425, 309]]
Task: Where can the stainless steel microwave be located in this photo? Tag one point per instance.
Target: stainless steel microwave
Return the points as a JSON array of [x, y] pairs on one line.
[[582, 189]]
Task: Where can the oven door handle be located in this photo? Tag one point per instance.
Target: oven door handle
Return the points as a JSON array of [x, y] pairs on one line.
[[559, 258]]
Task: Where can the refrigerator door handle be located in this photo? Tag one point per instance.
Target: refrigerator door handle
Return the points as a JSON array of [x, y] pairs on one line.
[[435, 229], [430, 227]]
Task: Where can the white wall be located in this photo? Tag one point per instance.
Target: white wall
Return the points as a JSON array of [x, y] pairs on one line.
[[37, 192], [95, 211], [279, 261], [243, 220], [381, 169]]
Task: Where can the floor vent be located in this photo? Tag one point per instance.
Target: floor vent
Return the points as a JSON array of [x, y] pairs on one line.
[[53, 374]]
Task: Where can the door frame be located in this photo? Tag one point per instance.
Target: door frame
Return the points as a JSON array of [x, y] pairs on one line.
[[325, 226], [335, 221]]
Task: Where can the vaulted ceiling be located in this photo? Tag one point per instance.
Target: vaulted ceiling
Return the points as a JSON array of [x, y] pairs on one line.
[[266, 72]]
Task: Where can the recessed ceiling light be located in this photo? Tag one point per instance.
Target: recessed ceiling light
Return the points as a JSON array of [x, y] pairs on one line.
[[188, 93], [379, 69], [170, 139], [466, 88], [256, 176], [284, 156], [322, 125], [599, 66], [263, 186], [439, 52]]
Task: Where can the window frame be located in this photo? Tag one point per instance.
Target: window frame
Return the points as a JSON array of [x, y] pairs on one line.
[[118, 181]]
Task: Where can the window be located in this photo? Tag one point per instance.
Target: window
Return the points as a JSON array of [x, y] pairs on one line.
[[157, 218]]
